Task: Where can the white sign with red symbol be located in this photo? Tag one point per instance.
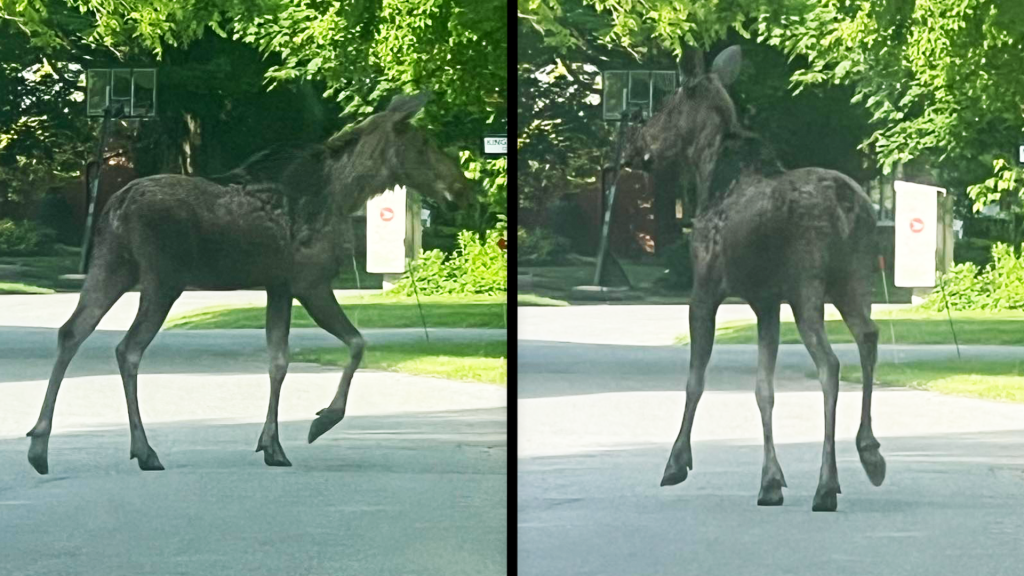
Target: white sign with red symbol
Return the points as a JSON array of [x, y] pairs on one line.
[[385, 232], [916, 234]]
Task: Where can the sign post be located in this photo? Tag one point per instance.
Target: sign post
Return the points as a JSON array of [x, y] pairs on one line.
[[916, 222]]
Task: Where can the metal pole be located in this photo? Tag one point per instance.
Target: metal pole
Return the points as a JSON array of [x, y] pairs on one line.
[[609, 204], [94, 185]]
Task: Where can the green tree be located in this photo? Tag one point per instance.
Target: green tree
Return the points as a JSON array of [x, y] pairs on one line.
[[362, 52], [44, 136], [940, 77]]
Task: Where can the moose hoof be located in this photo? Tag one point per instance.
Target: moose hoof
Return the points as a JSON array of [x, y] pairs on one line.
[[771, 495], [673, 475], [37, 455], [273, 454], [825, 500], [873, 463], [326, 419], [148, 460]]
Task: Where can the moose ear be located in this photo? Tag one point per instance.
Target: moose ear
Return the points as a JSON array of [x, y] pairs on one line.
[[403, 108], [693, 62], [727, 65]]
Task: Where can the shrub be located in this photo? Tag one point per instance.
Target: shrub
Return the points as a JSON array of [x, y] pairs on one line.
[[963, 288], [539, 246], [25, 238], [998, 286], [474, 268]]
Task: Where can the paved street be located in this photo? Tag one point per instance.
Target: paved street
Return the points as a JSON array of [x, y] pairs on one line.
[[413, 481], [600, 402]]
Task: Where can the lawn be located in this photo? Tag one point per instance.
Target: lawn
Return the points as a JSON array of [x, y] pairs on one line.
[[19, 288], [910, 325], [534, 300], [372, 311], [991, 380], [476, 361], [39, 274]]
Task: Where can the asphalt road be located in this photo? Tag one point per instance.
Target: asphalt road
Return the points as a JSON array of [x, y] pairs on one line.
[[413, 481], [597, 414]]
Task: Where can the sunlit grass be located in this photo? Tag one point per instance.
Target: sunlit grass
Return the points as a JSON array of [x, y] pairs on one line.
[[371, 311], [476, 361]]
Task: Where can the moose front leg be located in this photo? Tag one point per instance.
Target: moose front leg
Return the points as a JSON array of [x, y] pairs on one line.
[[326, 312], [279, 315], [702, 337]]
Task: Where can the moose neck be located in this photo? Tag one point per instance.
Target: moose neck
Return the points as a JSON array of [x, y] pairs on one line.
[[739, 157], [355, 180]]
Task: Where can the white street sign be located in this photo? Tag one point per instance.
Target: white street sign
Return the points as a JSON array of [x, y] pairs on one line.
[[916, 232], [495, 145], [1020, 157], [385, 232]]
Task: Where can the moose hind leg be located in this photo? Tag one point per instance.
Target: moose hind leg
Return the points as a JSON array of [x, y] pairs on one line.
[[279, 313], [99, 294], [772, 480], [154, 305], [809, 311], [856, 313], [326, 312]]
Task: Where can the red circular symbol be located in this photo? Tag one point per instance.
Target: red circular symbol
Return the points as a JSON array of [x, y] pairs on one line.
[[501, 243], [386, 214], [916, 225]]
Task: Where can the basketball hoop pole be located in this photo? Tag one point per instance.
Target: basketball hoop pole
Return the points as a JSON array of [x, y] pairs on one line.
[[608, 197], [94, 179]]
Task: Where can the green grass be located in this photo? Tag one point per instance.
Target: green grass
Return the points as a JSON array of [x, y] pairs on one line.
[[990, 380], [19, 288], [911, 326], [373, 311], [534, 300], [478, 361], [41, 272]]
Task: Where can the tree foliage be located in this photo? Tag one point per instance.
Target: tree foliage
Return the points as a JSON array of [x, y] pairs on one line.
[[43, 138], [940, 77], [360, 52]]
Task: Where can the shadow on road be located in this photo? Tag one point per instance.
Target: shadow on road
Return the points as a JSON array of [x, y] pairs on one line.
[[395, 494], [950, 505]]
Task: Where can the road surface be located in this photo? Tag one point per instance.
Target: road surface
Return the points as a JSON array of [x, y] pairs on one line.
[[413, 481], [598, 414]]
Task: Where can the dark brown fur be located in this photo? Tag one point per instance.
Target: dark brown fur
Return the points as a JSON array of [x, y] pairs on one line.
[[767, 235], [280, 221]]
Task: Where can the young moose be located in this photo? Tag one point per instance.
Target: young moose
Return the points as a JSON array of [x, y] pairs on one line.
[[766, 235], [280, 221]]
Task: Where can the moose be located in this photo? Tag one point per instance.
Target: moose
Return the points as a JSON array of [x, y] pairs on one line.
[[766, 235], [281, 221]]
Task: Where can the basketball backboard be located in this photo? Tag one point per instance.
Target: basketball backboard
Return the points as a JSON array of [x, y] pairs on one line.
[[624, 90], [134, 88]]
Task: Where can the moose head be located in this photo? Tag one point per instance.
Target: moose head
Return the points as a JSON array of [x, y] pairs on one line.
[[689, 128], [386, 149]]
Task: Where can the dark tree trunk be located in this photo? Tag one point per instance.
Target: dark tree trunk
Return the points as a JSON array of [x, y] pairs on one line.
[[665, 184]]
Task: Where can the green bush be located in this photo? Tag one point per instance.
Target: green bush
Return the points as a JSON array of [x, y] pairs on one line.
[[539, 246], [475, 268], [998, 286], [25, 238]]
